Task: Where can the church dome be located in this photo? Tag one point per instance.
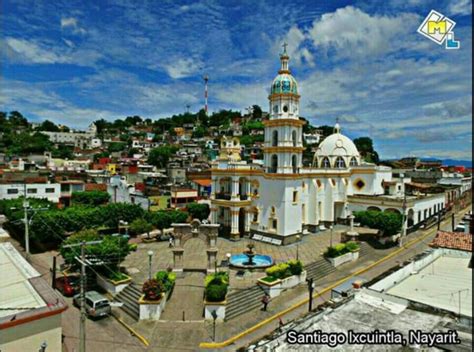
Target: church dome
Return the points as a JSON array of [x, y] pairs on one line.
[[284, 83], [336, 147]]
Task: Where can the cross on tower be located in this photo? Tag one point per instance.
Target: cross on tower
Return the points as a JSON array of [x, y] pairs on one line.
[[285, 44]]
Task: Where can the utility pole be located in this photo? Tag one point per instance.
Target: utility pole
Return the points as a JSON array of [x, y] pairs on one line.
[[310, 291], [404, 215], [26, 205], [82, 260]]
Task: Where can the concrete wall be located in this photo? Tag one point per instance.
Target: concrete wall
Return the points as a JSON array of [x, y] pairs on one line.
[[30, 336]]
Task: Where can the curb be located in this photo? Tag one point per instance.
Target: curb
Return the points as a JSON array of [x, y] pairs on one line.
[[211, 345], [132, 330]]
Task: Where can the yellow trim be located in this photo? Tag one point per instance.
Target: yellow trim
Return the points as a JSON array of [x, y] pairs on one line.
[[299, 304], [231, 203], [132, 331], [280, 95], [363, 171], [283, 149], [236, 172], [284, 122], [142, 300], [221, 303]]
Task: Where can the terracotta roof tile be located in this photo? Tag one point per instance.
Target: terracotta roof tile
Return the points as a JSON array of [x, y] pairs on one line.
[[453, 240]]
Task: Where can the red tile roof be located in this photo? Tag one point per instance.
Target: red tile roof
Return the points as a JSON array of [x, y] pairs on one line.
[[453, 240]]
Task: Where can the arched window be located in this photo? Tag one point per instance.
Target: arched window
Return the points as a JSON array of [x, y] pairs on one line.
[[274, 164], [294, 138], [274, 138], [340, 163], [353, 162], [326, 164], [294, 161]]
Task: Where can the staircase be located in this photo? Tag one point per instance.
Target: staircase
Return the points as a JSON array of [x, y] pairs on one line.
[[319, 269], [129, 297], [365, 249], [243, 301]]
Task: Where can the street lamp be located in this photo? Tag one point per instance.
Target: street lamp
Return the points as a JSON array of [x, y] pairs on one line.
[[150, 255], [330, 238], [298, 237], [228, 255]]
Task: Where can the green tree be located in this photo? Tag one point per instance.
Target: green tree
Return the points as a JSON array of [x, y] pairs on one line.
[[94, 198], [388, 222], [160, 156], [140, 226], [198, 211], [199, 132], [116, 147], [48, 126], [24, 143], [256, 112], [365, 147]]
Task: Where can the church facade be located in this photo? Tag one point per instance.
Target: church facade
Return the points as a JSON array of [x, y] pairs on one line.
[[281, 199]]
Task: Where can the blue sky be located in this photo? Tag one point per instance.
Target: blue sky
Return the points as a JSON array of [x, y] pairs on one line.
[[76, 61]]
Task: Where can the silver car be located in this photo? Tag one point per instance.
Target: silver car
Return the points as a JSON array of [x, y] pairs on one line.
[[96, 305]]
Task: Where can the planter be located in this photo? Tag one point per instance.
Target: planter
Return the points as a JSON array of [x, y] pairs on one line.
[[345, 258], [151, 310], [218, 307], [112, 286], [275, 288]]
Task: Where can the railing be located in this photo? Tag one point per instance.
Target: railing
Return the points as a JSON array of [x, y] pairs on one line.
[[223, 196], [243, 197]]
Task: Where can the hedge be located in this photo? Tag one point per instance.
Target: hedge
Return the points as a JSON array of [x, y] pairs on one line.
[[216, 286], [90, 197], [284, 270], [341, 249], [166, 278]]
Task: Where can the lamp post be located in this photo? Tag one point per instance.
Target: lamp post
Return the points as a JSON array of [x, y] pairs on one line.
[[150, 255], [404, 210], [298, 237], [228, 255]]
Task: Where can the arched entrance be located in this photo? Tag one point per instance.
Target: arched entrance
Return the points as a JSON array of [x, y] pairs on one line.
[[242, 221], [373, 209], [206, 233], [195, 258]]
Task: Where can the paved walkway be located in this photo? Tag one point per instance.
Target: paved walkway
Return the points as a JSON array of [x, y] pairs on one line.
[[309, 249], [186, 301]]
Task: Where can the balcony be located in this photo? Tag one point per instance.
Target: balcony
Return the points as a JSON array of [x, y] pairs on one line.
[[223, 196]]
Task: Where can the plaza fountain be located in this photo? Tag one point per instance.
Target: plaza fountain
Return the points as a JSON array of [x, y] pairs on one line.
[[249, 260]]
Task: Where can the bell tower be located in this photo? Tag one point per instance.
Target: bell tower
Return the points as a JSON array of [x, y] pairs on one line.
[[283, 147]]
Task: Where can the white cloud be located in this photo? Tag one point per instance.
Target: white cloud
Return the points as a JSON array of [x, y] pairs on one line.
[[68, 22], [460, 7], [31, 52], [181, 68], [354, 33], [72, 23]]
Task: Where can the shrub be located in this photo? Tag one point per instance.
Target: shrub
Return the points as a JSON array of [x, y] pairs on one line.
[[221, 277], [388, 222], [352, 246], [295, 266], [133, 247], [166, 278], [152, 289], [279, 271], [340, 249], [140, 226], [216, 292]]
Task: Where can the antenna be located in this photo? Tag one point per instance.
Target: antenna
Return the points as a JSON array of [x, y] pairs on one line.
[[206, 79], [187, 108]]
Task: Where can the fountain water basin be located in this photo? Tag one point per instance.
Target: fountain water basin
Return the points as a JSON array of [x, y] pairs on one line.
[[258, 261]]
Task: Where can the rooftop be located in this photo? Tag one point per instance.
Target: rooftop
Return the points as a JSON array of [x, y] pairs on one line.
[[440, 284], [453, 240], [24, 295]]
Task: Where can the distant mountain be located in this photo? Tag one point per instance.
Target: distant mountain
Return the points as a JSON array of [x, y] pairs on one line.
[[446, 162], [454, 162]]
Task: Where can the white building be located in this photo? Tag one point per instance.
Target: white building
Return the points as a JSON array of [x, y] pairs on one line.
[[23, 287], [49, 191], [83, 140], [282, 199]]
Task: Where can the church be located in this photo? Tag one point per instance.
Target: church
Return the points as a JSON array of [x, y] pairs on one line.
[[281, 200]]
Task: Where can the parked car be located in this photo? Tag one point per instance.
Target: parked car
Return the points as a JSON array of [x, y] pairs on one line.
[[461, 227], [68, 285], [96, 305]]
